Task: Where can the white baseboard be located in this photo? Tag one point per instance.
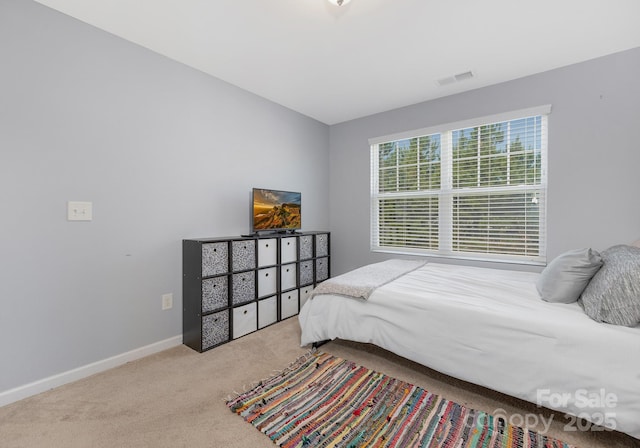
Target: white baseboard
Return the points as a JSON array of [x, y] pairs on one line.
[[21, 392]]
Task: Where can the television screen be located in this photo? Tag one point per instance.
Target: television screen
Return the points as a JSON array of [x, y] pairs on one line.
[[276, 210]]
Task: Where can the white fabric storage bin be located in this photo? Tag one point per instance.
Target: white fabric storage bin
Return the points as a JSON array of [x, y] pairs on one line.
[[288, 249], [289, 304], [267, 252], [245, 319], [267, 311], [288, 276], [305, 292], [267, 281]]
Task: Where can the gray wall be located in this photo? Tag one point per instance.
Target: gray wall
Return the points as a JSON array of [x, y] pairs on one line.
[[164, 152], [594, 154]]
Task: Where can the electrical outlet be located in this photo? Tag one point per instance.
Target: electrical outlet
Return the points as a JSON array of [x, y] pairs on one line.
[[167, 301], [79, 211]]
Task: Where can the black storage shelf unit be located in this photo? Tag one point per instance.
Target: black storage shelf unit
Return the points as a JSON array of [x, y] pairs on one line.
[[234, 286]]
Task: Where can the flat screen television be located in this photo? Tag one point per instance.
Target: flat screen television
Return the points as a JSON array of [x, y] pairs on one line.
[[275, 211]]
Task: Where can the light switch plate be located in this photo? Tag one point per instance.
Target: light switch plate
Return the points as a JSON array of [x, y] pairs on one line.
[[79, 211]]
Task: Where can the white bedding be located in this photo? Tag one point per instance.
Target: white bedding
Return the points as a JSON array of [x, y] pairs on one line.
[[491, 328]]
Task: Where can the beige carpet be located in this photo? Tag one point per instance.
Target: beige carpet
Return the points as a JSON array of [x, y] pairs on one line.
[[176, 398]]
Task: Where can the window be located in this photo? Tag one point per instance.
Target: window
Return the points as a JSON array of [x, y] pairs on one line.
[[473, 189]]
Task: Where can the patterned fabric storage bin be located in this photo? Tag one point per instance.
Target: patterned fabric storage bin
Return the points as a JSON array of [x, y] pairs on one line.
[[322, 269], [306, 273], [322, 245], [215, 293], [306, 247], [243, 287], [215, 329], [243, 255], [215, 259]]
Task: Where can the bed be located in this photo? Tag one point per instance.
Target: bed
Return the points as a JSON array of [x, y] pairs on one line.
[[491, 327]]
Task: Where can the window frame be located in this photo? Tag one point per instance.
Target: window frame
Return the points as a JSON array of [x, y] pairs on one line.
[[446, 191]]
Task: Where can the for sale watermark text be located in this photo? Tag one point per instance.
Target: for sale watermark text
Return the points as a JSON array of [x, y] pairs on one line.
[[595, 411]]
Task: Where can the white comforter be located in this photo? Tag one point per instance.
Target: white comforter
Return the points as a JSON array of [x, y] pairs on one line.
[[491, 328]]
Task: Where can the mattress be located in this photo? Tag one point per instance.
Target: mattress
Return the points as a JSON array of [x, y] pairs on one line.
[[490, 327]]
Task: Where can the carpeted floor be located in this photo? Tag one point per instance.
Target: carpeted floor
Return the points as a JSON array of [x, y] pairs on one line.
[[177, 398]]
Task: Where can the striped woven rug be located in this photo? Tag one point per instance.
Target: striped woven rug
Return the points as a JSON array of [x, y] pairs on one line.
[[324, 401]]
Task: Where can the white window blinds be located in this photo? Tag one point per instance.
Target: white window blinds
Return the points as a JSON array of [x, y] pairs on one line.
[[474, 189]]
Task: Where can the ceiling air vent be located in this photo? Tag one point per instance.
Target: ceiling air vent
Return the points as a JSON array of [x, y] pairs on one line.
[[455, 78]]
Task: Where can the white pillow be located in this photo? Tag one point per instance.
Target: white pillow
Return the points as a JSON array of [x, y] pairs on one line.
[[564, 279]]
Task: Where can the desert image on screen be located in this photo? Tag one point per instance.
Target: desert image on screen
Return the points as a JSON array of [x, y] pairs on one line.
[[276, 210]]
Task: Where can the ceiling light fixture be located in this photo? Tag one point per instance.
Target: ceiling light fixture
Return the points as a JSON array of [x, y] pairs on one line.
[[339, 2]]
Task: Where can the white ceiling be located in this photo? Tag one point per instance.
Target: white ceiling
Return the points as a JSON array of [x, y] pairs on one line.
[[339, 63]]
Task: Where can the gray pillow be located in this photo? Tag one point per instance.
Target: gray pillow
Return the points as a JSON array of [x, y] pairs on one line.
[[613, 294], [564, 279]]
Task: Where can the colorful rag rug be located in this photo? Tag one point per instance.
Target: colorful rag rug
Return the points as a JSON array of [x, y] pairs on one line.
[[324, 401]]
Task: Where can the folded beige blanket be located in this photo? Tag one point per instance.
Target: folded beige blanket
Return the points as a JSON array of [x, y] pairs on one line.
[[361, 282]]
